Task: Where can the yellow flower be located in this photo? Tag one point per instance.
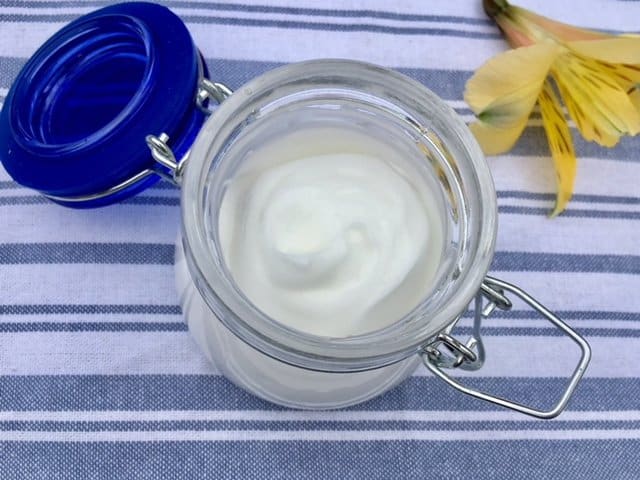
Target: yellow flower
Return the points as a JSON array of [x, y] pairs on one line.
[[596, 75]]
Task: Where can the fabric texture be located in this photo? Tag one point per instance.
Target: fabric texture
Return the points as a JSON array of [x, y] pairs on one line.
[[100, 379]]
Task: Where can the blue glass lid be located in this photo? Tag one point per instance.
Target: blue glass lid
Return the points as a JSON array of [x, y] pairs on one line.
[[75, 120]]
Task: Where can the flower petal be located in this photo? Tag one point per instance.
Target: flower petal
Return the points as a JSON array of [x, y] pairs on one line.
[[561, 146], [508, 85], [634, 96], [599, 106], [557, 30], [524, 27], [496, 139], [612, 50], [627, 76], [590, 123]]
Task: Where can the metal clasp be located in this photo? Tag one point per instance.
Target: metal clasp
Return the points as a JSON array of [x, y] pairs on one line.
[[160, 149], [208, 90], [470, 355]]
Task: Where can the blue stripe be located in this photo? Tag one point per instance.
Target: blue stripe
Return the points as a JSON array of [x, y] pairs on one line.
[[89, 309], [503, 194], [481, 460], [516, 194], [578, 197], [141, 309], [504, 209], [209, 392], [64, 253], [162, 254], [230, 7], [164, 185], [533, 142], [566, 314], [161, 185], [569, 212], [282, 24], [550, 332], [137, 200], [117, 326], [303, 425], [22, 327], [120, 326], [565, 262], [147, 200]]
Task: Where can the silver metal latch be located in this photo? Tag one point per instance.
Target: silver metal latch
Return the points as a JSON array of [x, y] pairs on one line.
[[160, 149], [159, 145], [470, 355]]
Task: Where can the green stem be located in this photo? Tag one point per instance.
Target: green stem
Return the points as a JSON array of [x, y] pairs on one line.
[[493, 8]]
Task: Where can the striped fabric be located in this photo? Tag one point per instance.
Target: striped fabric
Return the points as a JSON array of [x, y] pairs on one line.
[[99, 378]]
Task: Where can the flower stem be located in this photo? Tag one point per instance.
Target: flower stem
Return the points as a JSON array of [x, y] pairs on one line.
[[493, 8]]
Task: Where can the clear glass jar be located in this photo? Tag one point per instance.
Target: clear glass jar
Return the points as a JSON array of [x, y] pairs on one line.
[[291, 367]]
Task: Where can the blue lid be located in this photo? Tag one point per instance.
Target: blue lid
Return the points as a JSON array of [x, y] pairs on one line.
[[75, 120]]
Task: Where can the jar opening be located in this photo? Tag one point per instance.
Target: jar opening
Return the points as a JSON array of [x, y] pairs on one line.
[[88, 82]]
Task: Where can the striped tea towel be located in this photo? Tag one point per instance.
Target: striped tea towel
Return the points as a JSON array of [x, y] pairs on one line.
[[99, 378]]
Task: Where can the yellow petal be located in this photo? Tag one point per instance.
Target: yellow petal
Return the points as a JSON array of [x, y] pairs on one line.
[[524, 27], [590, 123], [627, 76], [561, 146], [599, 106], [494, 139], [558, 30], [508, 85], [612, 50], [634, 96]]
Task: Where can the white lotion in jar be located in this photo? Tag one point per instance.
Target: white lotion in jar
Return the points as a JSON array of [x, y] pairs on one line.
[[330, 232]]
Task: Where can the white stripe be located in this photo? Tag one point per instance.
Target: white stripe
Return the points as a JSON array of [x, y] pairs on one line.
[[116, 223], [409, 7], [595, 175], [589, 15], [143, 284], [578, 291], [305, 416], [319, 435], [457, 104], [154, 284], [286, 17], [532, 122], [597, 235], [132, 353], [273, 45], [101, 353]]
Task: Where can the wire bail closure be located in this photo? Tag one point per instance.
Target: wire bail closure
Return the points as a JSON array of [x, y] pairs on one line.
[[168, 167], [471, 355]]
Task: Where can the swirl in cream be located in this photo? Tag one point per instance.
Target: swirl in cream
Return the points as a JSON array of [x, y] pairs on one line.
[[332, 244]]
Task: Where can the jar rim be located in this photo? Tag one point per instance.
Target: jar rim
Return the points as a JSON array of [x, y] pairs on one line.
[[359, 352]]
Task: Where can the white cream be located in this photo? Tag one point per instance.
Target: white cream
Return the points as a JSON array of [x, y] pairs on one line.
[[324, 232]]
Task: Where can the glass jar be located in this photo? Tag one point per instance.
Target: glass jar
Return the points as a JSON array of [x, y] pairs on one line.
[[258, 353], [290, 367]]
